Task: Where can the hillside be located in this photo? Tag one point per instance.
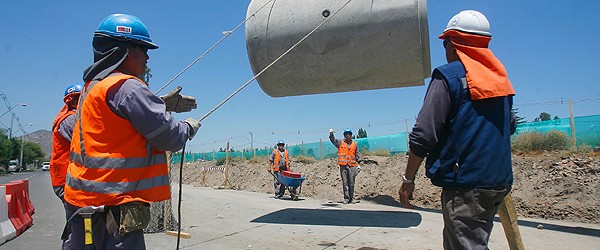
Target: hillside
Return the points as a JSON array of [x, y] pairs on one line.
[[44, 139]]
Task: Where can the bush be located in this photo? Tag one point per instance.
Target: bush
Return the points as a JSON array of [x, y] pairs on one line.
[[537, 141], [220, 162], [556, 140], [259, 159], [304, 159], [377, 152]]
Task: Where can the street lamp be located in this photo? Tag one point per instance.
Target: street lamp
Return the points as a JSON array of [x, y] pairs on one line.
[[18, 104], [12, 118], [22, 142]]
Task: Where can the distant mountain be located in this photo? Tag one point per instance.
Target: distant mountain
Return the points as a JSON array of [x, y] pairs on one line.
[[44, 139]]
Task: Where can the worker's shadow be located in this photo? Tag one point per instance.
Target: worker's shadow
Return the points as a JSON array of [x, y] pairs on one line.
[[339, 217]]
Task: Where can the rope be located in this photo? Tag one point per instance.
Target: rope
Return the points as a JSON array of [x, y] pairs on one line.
[[234, 93], [275, 61], [179, 198], [226, 34]]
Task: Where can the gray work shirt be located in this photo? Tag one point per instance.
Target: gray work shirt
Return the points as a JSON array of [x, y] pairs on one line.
[[134, 101], [337, 142], [65, 128], [282, 157]]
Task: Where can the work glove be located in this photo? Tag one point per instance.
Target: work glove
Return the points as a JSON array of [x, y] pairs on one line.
[[178, 103], [194, 125], [331, 130], [358, 168]]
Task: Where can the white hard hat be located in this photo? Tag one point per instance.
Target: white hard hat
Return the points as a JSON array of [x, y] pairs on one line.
[[470, 21]]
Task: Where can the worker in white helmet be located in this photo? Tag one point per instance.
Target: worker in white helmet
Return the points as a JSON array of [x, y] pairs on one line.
[[463, 129]]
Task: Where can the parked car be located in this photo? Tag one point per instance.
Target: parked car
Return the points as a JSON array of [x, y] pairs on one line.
[[13, 166], [45, 166]]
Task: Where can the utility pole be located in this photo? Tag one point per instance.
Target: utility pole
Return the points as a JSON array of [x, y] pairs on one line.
[[573, 137], [252, 142], [407, 144]]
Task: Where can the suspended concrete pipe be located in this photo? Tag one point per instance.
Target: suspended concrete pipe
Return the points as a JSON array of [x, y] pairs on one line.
[[369, 44]]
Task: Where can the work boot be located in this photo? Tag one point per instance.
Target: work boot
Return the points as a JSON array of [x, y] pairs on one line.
[[345, 201]]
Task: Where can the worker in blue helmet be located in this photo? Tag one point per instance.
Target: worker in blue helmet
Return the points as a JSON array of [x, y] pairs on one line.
[[62, 131], [280, 161], [348, 157], [121, 132]]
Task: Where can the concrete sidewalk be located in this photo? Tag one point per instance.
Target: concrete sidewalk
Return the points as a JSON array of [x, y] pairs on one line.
[[228, 219]]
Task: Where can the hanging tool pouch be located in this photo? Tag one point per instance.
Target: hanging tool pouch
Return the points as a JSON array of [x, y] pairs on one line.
[[134, 216]]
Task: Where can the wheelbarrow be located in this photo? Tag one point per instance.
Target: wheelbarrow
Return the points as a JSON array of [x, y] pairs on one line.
[[291, 181]]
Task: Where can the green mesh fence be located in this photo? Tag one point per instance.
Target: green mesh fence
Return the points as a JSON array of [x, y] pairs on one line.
[[395, 143], [587, 130]]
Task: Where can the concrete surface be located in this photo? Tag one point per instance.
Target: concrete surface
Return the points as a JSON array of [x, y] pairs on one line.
[[228, 219]]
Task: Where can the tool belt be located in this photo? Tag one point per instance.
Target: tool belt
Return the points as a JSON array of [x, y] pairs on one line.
[[133, 216]]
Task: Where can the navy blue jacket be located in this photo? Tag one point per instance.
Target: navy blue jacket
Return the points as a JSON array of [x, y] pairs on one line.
[[474, 147]]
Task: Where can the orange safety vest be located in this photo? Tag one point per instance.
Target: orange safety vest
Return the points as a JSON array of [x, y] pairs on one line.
[[59, 161], [278, 159], [347, 154], [111, 162]]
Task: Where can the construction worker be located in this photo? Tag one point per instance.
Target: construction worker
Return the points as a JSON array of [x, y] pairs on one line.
[[118, 164], [348, 157], [464, 130], [280, 161], [62, 131]]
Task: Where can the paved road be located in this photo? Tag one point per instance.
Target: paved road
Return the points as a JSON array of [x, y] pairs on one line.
[[49, 218], [228, 219]]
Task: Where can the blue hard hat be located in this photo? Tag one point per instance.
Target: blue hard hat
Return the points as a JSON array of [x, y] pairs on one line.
[[126, 27], [73, 88], [280, 142], [347, 131]]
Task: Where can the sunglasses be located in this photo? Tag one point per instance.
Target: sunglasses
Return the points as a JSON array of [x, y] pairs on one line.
[[445, 42]]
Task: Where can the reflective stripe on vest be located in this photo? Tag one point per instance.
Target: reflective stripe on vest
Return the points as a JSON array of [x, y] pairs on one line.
[[278, 159], [347, 155], [111, 162], [116, 187], [121, 163]]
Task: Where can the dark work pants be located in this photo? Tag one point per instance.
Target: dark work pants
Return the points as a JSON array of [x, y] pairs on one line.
[[468, 216], [101, 238], [279, 187], [348, 177], [60, 193]]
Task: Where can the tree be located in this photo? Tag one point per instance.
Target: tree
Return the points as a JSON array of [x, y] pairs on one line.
[[518, 119], [361, 133], [543, 117], [32, 152]]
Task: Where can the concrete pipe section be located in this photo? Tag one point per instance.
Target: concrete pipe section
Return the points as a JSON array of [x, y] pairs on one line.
[[368, 45]]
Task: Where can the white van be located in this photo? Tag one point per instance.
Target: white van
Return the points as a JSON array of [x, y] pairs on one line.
[[13, 166], [45, 166]]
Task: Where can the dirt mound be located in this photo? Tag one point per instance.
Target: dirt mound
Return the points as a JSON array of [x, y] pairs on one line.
[[546, 186]]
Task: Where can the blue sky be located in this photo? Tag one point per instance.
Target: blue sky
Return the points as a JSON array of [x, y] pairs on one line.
[[550, 49]]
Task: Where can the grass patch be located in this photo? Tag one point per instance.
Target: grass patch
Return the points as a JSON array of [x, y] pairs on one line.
[[304, 159], [377, 152], [259, 159], [538, 141]]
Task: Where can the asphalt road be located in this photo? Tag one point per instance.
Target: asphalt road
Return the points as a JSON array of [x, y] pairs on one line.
[[49, 218], [228, 219]]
